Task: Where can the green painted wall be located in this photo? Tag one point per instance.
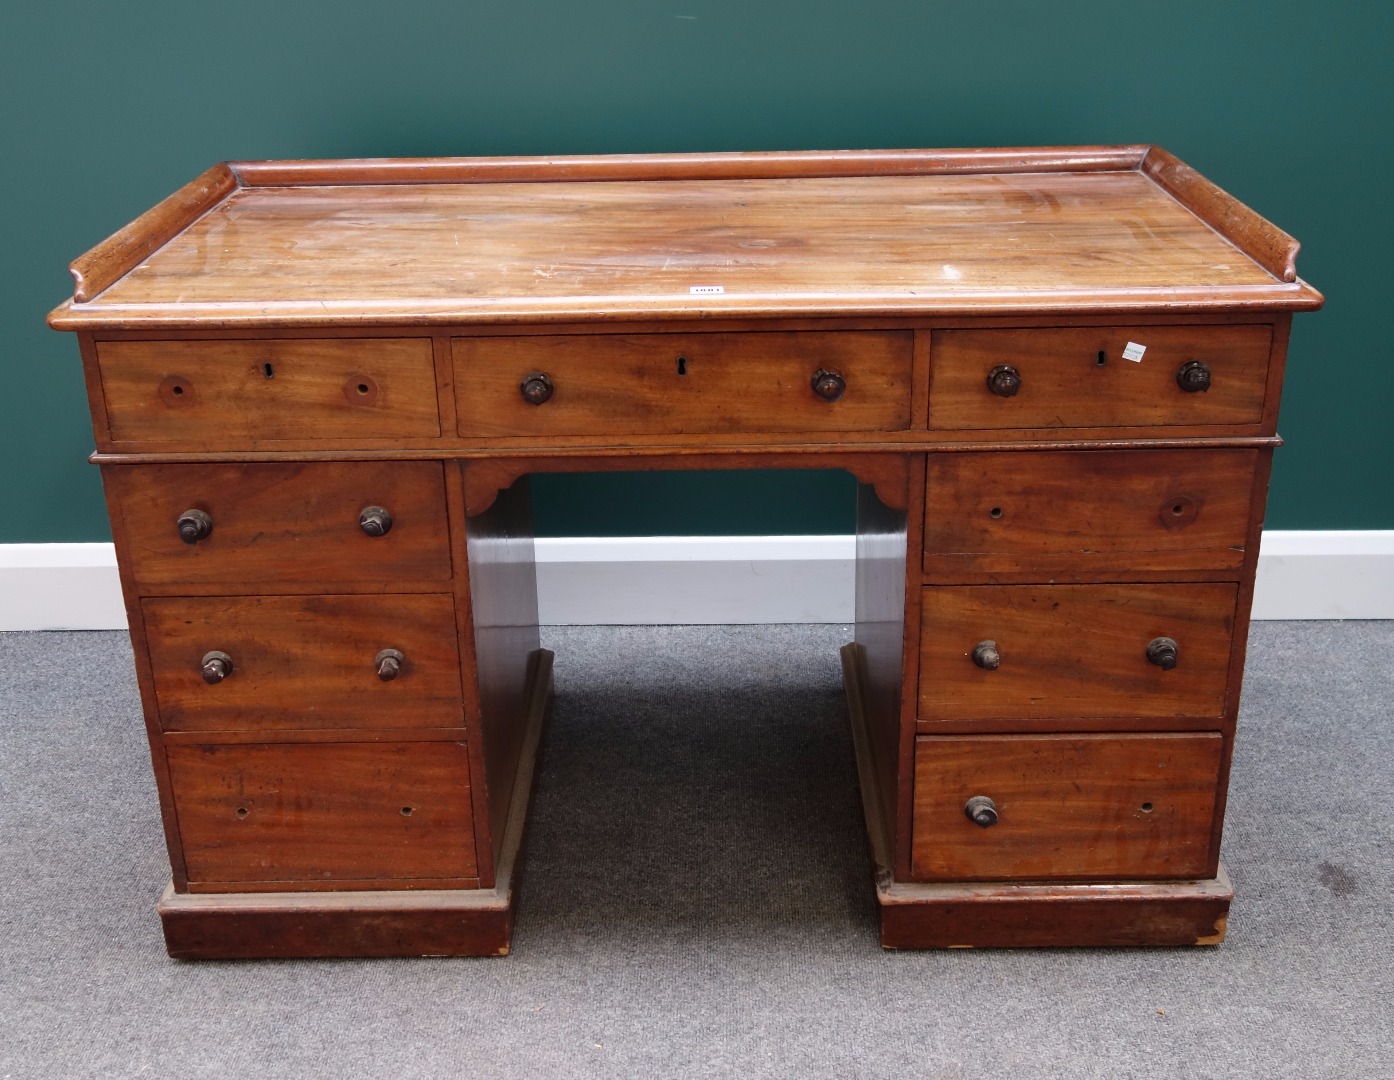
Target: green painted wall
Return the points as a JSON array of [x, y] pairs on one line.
[[106, 108]]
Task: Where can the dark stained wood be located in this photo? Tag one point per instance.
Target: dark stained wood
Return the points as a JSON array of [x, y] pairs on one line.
[[682, 383], [999, 517], [1071, 807], [986, 916], [1064, 386], [124, 250], [339, 815], [305, 661], [1128, 509], [503, 602], [285, 525], [228, 394], [247, 926], [1074, 650]]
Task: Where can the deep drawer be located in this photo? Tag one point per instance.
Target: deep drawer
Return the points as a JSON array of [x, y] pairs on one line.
[[653, 384], [1069, 651], [227, 395], [282, 524], [341, 815], [1067, 807], [1072, 514], [1077, 377], [304, 661]]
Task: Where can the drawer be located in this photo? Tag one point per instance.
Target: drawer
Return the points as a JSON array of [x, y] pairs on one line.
[[684, 384], [228, 395], [1069, 651], [1068, 807], [1086, 513], [283, 524], [1078, 378], [272, 815], [304, 661]]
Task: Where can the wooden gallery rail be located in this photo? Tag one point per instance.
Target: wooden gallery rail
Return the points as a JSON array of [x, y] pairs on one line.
[[318, 389]]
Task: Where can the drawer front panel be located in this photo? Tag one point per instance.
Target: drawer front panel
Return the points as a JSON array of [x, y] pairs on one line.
[[227, 395], [653, 384], [323, 813], [1063, 384], [1087, 512], [1068, 806], [283, 524], [1074, 651], [304, 661]]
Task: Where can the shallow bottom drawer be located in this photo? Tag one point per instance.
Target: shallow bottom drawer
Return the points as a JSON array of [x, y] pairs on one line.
[[288, 815], [1064, 807]]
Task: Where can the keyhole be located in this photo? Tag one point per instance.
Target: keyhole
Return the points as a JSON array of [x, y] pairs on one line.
[[362, 388], [177, 391], [241, 811], [1178, 509], [269, 371], [995, 512], [1101, 359], [682, 365]]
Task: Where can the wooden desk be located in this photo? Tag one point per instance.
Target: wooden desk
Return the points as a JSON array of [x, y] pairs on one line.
[[318, 390]]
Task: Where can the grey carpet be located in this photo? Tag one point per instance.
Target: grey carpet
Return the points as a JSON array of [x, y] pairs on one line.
[[696, 899]]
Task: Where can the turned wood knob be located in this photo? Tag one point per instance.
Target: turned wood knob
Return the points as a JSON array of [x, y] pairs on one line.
[[389, 664], [216, 667], [375, 521], [986, 656], [1004, 380], [1193, 376], [536, 388], [829, 385], [194, 525], [981, 811], [1162, 652]]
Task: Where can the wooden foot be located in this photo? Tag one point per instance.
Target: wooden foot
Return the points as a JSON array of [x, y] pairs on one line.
[[917, 915], [406, 922]]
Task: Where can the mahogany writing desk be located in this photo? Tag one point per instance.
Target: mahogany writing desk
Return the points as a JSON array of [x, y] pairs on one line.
[[318, 389]]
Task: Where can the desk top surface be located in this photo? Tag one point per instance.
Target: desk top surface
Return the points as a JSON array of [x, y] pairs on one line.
[[317, 244]]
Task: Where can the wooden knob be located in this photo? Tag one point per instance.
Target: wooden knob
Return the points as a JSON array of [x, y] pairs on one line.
[[981, 811], [1162, 652], [389, 664], [829, 385], [375, 521], [1004, 380], [986, 656], [216, 667], [536, 388], [194, 525], [1193, 376]]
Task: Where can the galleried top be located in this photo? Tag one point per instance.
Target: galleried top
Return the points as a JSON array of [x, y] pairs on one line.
[[870, 234]]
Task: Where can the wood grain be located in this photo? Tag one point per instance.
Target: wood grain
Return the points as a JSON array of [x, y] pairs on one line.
[[358, 815], [279, 526], [1074, 650], [1071, 807], [436, 254], [305, 661], [683, 383], [1064, 385], [241, 392], [998, 517]]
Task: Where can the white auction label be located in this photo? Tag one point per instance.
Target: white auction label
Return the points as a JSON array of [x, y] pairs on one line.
[[700, 290], [1134, 351]]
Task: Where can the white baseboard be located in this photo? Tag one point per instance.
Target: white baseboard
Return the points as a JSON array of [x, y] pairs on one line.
[[716, 579]]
